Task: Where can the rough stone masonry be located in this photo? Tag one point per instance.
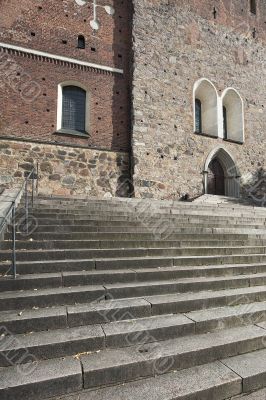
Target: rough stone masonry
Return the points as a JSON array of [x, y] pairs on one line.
[[175, 44]]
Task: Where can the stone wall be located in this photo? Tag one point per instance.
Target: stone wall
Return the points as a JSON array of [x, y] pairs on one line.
[[174, 46], [65, 170]]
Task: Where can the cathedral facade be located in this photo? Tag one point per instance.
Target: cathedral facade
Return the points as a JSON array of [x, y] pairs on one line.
[[159, 100]]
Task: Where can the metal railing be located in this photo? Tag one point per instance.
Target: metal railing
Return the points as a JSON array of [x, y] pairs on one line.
[[10, 216]]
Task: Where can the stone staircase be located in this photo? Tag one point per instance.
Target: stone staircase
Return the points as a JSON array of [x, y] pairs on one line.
[[128, 299]]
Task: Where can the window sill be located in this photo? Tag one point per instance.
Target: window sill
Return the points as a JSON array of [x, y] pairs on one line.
[[69, 132], [205, 134], [233, 141]]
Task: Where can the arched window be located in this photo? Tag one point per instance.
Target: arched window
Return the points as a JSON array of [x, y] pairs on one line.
[[233, 116], [205, 108], [73, 108], [253, 6], [225, 122], [81, 42], [198, 117]]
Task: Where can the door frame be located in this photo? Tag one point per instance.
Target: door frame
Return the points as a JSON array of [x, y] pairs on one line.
[[231, 171]]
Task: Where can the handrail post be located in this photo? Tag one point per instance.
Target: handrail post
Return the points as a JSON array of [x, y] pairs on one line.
[[27, 206], [14, 261], [37, 179], [32, 187]]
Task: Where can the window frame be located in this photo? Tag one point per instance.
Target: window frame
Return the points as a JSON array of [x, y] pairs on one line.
[[253, 7], [225, 131], [60, 129], [198, 113], [81, 38]]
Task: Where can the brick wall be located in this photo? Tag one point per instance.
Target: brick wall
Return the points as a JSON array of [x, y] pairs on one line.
[[53, 26]]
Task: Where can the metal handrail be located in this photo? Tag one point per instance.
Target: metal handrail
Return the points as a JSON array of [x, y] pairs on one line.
[[33, 174]]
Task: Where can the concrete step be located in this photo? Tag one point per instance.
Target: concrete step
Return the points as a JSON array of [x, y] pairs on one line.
[[152, 262], [250, 367], [81, 253], [93, 277], [118, 366], [140, 208], [186, 302], [50, 344], [87, 339], [163, 231], [133, 237], [56, 377], [228, 316], [254, 395], [34, 319], [212, 381], [36, 380], [112, 218], [134, 288], [142, 204], [150, 288], [102, 312], [31, 281], [154, 292], [139, 212], [18, 300], [201, 321], [137, 263], [124, 244], [151, 224]]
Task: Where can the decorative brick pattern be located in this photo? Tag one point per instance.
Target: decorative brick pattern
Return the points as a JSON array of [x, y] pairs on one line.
[[53, 27]]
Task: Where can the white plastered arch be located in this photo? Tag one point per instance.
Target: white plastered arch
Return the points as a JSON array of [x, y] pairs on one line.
[[205, 91], [234, 105]]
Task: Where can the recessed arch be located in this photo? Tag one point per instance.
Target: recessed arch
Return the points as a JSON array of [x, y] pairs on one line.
[[233, 115], [231, 172], [72, 83], [205, 93]]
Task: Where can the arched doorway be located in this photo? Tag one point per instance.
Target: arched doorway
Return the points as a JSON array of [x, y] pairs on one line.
[[221, 175], [216, 183]]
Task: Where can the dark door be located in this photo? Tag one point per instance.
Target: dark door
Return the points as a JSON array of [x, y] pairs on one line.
[[216, 178]]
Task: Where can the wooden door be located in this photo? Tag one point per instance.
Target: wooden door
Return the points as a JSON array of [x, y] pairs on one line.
[[216, 178]]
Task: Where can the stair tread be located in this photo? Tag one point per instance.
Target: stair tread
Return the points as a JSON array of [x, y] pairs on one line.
[[50, 291], [56, 336], [148, 352], [11, 315], [228, 311], [129, 271], [81, 333], [207, 381], [157, 299], [251, 367], [166, 282], [132, 249], [101, 288], [29, 381]]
